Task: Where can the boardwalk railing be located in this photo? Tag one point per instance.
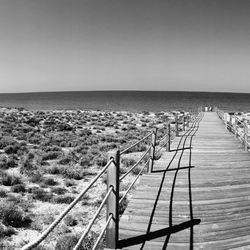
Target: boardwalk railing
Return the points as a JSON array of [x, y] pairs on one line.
[[159, 138], [236, 126]]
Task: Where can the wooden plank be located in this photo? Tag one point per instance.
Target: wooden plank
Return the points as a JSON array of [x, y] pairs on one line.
[[220, 192]]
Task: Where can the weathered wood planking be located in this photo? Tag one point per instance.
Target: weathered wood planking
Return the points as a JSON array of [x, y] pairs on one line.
[[220, 189]]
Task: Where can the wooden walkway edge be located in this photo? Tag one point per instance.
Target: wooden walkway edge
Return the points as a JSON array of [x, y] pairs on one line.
[[197, 197]]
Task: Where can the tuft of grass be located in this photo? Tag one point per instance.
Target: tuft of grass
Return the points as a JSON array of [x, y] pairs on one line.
[[41, 194], [36, 176], [3, 193], [51, 155], [69, 183], [70, 221], [12, 215], [86, 160], [58, 190], [101, 160], [7, 179], [65, 160], [67, 199], [50, 182], [8, 162], [6, 232], [11, 149], [128, 162], [123, 204], [85, 200], [18, 188], [69, 241]]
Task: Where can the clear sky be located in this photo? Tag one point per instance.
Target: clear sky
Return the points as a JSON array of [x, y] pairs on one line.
[[61, 45]]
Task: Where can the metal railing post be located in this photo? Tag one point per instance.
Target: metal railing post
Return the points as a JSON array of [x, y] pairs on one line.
[[113, 201], [176, 125], [183, 122], [230, 123], [168, 138], [225, 120], [245, 136], [235, 126], [188, 120], [152, 151]]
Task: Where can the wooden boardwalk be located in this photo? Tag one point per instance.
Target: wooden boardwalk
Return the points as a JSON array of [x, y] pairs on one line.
[[196, 198]]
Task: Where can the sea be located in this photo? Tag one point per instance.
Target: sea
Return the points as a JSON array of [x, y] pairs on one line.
[[133, 101]]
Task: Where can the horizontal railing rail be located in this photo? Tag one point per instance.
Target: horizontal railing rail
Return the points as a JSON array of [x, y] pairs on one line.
[[136, 143], [136, 164], [67, 210], [236, 126], [133, 182], [159, 138]]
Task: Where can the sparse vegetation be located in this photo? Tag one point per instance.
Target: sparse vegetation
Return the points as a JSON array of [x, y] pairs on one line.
[[70, 240], [48, 157]]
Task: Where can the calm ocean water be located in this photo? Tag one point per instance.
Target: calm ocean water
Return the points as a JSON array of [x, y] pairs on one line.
[[126, 100]]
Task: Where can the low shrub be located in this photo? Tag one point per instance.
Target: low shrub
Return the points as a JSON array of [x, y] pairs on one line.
[[70, 240], [7, 162], [69, 183], [65, 160], [94, 151], [123, 205], [36, 176], [104, 178], [86, 160], [6, 141], [7, 179], [85, 200], [157, 156], [128, 162], [51, 148], [11, 162], [105, 147], [51, 155], [64, 199], [11, 149], [73, 174], [124, 186], [101, 160], [6, 232], [40, 248], [137, 170], [18, 188], [70, 221], [59, 190], [27, 167], [18, 200], [12, 215], [41, 194], [50, 182], [30, 156], [3, 193], [91, 141], [138, 148], [53, 170], [85, 132], [82, 149]]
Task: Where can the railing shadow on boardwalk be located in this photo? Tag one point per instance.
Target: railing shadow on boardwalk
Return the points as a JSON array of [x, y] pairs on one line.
[[171, 229]]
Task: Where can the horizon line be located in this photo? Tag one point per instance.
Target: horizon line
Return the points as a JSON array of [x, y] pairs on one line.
[[71, 91]]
